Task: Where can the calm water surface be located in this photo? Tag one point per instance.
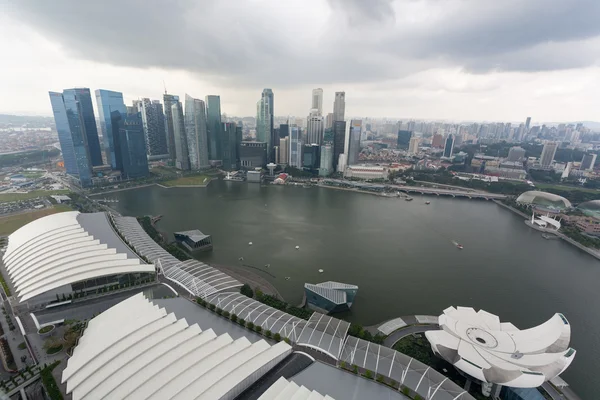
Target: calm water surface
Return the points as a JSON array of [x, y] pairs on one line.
[[399, 253]]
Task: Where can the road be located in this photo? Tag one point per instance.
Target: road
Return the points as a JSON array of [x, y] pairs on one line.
[[391, 340]]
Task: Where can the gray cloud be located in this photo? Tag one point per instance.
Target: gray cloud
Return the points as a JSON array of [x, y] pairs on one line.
[[239, 43]]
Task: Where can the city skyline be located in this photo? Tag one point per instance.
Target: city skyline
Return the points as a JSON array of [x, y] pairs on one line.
[[390, 58]]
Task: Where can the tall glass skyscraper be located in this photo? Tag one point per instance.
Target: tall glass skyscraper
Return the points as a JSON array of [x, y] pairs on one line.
[[339, 140], [264, 121], [213, 117], [169, 100], [295, 147], [195, 129], [86, 111], [353, 139], [72, 135], [230, 146], [154, 129], [130, 143], [182, 160], [109, 101]]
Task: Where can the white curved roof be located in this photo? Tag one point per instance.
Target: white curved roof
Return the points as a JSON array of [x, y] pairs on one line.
[[65, 248], [544, 199], [135, 350], [283, 389], [483, 347]]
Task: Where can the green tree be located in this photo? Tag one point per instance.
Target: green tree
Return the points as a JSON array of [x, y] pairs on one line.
[[233, 317], [250, 325], [246, 290], [268, 333], [368, 374], [277, 337]]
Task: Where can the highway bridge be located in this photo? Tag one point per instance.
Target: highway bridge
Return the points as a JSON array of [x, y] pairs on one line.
[[449, 192]]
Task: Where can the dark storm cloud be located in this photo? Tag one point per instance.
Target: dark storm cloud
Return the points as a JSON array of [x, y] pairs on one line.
[[239, 42]]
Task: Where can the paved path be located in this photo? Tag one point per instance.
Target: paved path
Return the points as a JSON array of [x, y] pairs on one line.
[[391, 340]]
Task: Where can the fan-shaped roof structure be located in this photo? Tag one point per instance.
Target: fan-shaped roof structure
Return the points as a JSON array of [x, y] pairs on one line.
[[135, 350], [545, 200], [65, 248], [498, 352], [590, 208], [284, 389]]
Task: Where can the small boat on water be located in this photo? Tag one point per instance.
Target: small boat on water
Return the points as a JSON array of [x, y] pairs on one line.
[[320, 271], [287, 278], [297, 247], [427, 202], [241, 259], [249, 243], [267, 265], [408, 199], [458, 245]]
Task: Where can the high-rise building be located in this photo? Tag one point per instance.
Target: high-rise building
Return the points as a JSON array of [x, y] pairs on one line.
[[527, 123], [548, 152], [107, 102], [403, 139], [413, 145], [329, 121], [317, 100], [182, 159], [213, 117], [295, 153], [284, 150], [155, 132], [449, 146], [310, 156], [437, 141], [239, 134], [71, 136], [253, 154], [83, 98], [230, 146], [169, 101], [339, 106], [264, 120], [339, 140], [588, 161], [326, 166], [195, 130], [314, 128], [516, 154], [284, 130], [136, 106], [353, 139], [130, 144]]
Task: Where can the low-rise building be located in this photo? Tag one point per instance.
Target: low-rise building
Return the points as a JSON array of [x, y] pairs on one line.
[[589, 225], [366, 172]]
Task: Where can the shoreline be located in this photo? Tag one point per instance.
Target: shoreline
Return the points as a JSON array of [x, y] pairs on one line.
[[149, 184]]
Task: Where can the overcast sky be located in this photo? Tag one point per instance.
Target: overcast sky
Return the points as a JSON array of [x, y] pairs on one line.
[[440, 59]]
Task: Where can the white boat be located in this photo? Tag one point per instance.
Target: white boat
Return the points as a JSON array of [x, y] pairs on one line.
[[320, 271], [297, 247], [249, 243]]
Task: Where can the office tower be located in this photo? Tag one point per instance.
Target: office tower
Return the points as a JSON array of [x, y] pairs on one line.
[[182, 160], [253, 154], [314, 128], [300, 122], [129, 144], [413, 145], [353, 139], [329, 121], [437, 141], [86, 110], [169, 101], [527, 122], [213, 117], [71, 136], [326, 166], [284, 130], [155, 133], [295, 153], [264, 120], [107, 102], [339, 139], [239, 134], [229, 146], [195, 130], [136, 106], [317, 100], [328, 135], [310, 156], [403, 139], [547, 156], [449, 146], [516, 154], [339, 107], [588, 161], [284, 150]]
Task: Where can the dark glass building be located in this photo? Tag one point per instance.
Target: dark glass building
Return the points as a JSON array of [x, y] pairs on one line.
[[130, 144], [154, 129], [449, 146], [169, 100], [404, 139], [230, 146], [339, 137], [253, 154], [310, 156], [213, 120], [109, 101], [86, 110]]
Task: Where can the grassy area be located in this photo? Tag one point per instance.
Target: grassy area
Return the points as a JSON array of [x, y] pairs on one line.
[[13, 222], [189, 180], [50, 383], [7, 197], [545, 186]]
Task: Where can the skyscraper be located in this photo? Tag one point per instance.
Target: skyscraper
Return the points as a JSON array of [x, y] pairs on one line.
[[130, 144], [295, 147], [264, 121], [107, 102], [449, 146], [527, 122], [329, 121], [588, 161], [230, 146], [547, 156], [195, 130], [403, 139], [284, 130], [339, 107], [326, 166], [353, 139], [169, 101], [339, 139], [155, 132], [314, 128], [86, 110], [413, 146], [317, 100], [182, 160], [71, 136], [213, 117], [284, 150], [437, 141]]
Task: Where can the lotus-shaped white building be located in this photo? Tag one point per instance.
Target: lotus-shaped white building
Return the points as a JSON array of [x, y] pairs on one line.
[[498, 352]]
